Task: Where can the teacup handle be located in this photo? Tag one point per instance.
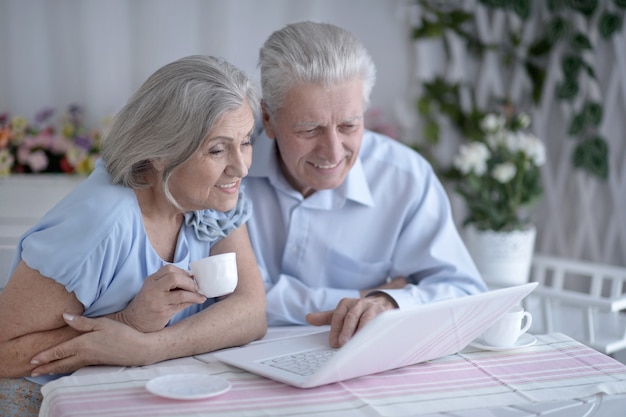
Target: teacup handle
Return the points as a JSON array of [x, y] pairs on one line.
[[529, 322]]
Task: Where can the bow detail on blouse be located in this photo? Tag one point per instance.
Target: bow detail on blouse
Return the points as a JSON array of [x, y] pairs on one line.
[[212, 225]]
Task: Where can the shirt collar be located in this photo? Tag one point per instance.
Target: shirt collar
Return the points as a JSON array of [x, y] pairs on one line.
[[265, 164]]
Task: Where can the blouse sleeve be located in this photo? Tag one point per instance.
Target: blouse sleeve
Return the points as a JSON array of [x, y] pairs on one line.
[[213, 225], [83, 258]]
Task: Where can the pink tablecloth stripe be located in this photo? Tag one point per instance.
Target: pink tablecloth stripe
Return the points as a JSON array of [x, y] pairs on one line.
[[555, 369]]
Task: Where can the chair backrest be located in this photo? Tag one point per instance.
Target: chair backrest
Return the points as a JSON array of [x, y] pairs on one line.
[[584, 300], [594, 279]]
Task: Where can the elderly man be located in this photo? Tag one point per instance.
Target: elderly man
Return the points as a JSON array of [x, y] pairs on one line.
[[347, 223]]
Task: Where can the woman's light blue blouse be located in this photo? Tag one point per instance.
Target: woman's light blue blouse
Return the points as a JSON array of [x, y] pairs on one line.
[[94, 243]]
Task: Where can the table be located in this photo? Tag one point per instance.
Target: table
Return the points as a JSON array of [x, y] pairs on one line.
[[557, 374]]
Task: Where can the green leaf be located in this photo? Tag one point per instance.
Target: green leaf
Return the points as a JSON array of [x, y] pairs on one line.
[[475, 46], [620, 3], [424, 105], [592, 112], [608, 24], [580, 42], [557, 29], [522, 8], [586, 7], [429, 29], [516, 38], [567, 89], [555, 5], [537, 77], [571, 65], [577, 125], [590, 70], [457, 17], [431, 132], [495, 4], [592, 155], [540, 47]]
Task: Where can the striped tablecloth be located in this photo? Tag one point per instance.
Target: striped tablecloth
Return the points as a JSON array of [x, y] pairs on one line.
[[557, 368]]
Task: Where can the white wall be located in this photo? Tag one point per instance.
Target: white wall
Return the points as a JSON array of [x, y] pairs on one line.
[[96, 52]]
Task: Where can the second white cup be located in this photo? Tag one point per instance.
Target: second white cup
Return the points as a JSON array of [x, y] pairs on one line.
[[215, 275], [508, 328]]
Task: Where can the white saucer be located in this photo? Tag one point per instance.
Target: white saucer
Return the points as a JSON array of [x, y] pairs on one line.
[[524, 340], [188, 386]]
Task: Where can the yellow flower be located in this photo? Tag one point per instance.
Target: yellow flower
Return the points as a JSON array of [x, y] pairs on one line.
[[67, 130], [6, 162], [19, 125], [86, 165]]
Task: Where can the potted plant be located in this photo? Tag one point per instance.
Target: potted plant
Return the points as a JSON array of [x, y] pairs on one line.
[[499, 178]]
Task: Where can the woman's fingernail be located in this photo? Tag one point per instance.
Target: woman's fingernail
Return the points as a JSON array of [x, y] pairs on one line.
[[34, 362], [68, 316], [34, 374]]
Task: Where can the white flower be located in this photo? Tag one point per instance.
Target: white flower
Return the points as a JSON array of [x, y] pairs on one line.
[[497, 175], [533, 148], [511, 140], [492, 122], [526, 143], [523, 120], [504, 172], [472, 157], [496, 139]]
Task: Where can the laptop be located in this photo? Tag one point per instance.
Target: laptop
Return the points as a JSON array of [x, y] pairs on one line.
[[393, 339]]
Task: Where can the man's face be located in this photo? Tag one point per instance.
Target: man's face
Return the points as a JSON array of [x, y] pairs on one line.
[[318, 131]]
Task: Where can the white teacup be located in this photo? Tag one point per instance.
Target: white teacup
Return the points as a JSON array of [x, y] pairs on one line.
[[508, 328], [215, 275]]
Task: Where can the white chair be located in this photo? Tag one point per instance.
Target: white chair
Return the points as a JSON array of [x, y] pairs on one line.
[[585, 300]]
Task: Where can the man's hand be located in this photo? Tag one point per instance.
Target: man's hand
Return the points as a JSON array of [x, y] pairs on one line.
[[350, 316]]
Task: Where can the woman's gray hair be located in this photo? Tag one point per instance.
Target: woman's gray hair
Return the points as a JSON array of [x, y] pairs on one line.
[[170, 115], [310, 52]]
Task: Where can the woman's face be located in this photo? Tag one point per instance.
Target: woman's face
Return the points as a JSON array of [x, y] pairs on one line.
[[211, 178], [318, 131]]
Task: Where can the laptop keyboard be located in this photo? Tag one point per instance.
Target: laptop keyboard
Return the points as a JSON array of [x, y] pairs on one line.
[[304, 363]]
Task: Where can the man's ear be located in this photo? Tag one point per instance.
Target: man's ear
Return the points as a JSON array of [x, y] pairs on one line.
[[266, 118]]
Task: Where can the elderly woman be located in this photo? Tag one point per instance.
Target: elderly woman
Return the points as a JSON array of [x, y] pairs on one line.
[[103, 277]]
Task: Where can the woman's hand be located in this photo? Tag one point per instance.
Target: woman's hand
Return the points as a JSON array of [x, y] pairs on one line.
[[164, 293], [103, 342]]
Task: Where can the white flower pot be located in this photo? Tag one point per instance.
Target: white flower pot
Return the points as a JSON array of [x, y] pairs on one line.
[[502, 258]]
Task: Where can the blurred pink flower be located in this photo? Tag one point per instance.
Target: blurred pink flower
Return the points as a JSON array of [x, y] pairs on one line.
[[43, 146], [37, 161]]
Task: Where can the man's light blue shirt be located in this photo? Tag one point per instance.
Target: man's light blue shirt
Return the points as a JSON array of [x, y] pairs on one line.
[[391, 217]]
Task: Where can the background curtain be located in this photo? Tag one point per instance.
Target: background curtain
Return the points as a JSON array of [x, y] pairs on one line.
[[96, 53]]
